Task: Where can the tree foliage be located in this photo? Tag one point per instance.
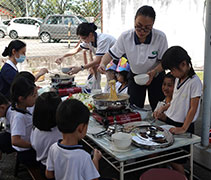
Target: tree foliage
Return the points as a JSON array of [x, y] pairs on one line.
[[41, 8]]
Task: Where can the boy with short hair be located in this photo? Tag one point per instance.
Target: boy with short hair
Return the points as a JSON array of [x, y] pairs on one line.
[[66, 158]]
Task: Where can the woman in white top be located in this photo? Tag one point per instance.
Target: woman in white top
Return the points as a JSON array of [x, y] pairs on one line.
[[144, 47], [98, 43]]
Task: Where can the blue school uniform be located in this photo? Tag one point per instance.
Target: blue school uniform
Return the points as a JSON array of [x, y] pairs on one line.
[[7, 75]]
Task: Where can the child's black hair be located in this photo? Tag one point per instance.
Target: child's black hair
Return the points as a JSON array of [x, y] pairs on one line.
[[174, 56], [85, 28], [71, 113], [147, 11], [125, 75], [15, 44], [170, 76], [27, 75], [21, 86], [44, 116], [3, 99]]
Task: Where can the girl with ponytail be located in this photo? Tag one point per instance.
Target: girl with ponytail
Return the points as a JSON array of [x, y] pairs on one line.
[[16, 52], [23, 96], [185, 104], [98, 43]]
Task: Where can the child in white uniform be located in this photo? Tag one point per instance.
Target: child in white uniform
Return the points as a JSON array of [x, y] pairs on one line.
[[110, 75], [5, 136], [45, 131], [23, 96], [67, 159], [185, 105], [167, 88], [122, 70]]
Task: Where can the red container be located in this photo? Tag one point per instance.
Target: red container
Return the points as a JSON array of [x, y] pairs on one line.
[[67, 91]]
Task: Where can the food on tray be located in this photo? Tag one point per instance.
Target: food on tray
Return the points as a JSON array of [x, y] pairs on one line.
[[134, 126], [85, 98]]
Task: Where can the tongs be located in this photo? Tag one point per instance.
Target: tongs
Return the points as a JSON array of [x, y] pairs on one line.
[[99, 134]]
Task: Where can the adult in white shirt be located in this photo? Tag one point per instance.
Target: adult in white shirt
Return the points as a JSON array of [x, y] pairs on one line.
[[98, 43], [144, 47]]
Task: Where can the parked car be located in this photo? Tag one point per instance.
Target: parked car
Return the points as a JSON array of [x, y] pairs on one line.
[[55, 27], [23, 27], [3, 28]]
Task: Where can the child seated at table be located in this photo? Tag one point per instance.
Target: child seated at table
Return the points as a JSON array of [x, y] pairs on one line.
[[66, 158], [23, 96], [167, 88], [110, 75], [122, 70], [185, 104], [45, 131], [5, 135]]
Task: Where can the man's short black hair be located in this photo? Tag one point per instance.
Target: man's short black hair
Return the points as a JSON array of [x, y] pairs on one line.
[[70, 114]]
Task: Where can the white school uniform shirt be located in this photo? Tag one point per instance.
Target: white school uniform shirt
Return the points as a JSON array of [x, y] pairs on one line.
[[21, 125], [122, 91], [103, 42], [142, 57], [12, 64], [42, 140], [182, 95], [70, 162]]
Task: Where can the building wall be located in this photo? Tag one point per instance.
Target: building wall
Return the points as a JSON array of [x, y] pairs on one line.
[[181, 21]]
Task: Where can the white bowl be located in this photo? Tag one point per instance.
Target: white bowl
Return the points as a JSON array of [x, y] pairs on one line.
[[121, 140], [66, 69], [141, 79]]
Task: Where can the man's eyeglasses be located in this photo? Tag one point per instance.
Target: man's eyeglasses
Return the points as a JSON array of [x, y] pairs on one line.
[[139, 29]]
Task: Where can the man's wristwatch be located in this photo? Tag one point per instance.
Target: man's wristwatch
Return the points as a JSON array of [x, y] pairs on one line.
[[82, 67]]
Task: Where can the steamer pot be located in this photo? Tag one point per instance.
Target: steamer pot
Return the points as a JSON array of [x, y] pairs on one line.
[[102, 102]]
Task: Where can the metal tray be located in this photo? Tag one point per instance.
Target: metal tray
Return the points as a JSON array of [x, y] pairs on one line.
[[151, 137]]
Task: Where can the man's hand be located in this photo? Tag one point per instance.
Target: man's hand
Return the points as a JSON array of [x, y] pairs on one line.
[[177, 130], [102, 68], [74, 70], [97, 155], [151, 74]]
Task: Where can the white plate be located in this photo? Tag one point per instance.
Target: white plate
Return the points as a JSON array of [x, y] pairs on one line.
[[167, 126], [115, 149]]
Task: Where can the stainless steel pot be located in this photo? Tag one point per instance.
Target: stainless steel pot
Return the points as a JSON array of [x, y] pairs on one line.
[[61, 79], [102, 102]]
